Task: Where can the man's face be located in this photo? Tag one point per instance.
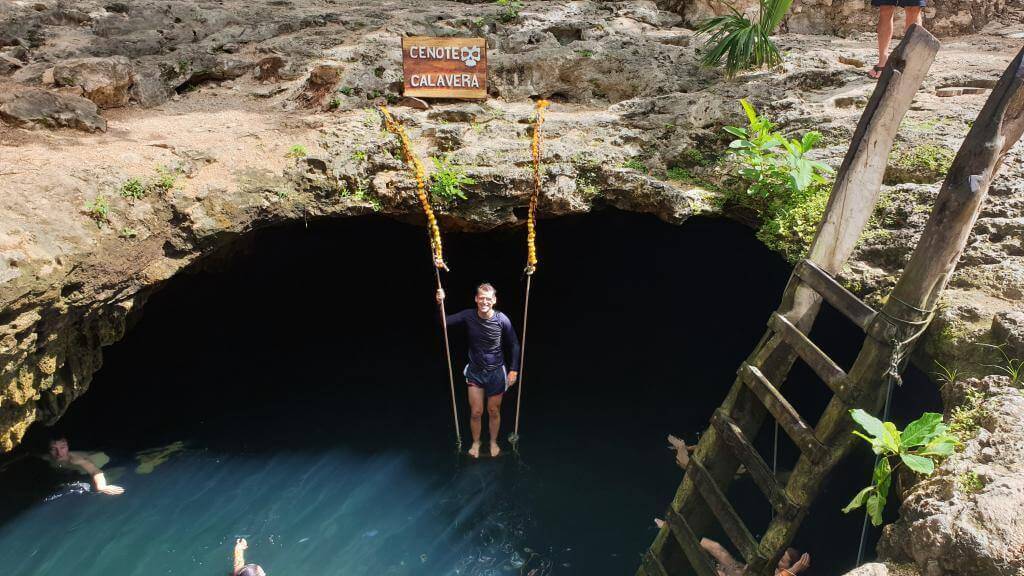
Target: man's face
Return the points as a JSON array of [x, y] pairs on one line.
[[485, 301], [59, 449]]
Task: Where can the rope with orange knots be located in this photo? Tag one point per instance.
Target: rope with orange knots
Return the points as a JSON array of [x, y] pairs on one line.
[[436, 250], [531, 257]]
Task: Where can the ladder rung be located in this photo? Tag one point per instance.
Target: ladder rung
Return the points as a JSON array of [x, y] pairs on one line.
[[823, 366], [726, 514], [840, 298], [652, 566], [784, 413], [699, 559], [737, 442]]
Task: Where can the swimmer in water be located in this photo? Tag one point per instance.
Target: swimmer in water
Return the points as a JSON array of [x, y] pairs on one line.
[[63, 459], [240, 567]]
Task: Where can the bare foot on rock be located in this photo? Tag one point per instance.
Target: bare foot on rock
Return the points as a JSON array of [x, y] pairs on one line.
[[474, 450], [495, 450]]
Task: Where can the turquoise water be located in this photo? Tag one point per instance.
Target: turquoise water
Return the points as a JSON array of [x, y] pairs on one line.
[[305, 376]]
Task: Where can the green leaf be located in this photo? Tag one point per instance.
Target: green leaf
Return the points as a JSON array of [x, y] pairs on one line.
[[941, 446], [882, 477], [921, 431], [875, 507], [735, 131], [858, 500], [891, 437], [749, 109], [869, 423], [918, 464]]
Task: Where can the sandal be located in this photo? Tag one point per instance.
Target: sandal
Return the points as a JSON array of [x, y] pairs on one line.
[[876, 71]]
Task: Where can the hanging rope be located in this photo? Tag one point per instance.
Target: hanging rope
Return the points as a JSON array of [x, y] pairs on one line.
[[892, 376], [436, 251], [531, 259]]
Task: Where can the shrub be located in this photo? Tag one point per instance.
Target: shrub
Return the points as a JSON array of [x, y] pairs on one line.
[[164, 180], [788, 189], [970, 482], [965, 420], [296, 151], [127, 233], [98, 209], [510, 10], [635, 164], [918, 447], [742, 43], [132, 189], [448, 179]]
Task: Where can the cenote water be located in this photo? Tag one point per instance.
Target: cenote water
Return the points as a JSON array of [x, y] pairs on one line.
[[303, 372]]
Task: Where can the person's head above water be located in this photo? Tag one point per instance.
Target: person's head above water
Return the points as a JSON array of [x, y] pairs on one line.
[[58, 447], [486, 298], [251, 570]]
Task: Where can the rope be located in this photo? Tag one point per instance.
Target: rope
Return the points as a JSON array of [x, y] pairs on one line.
[[421, 187], [531, 259], [892, 376], [436, 251]]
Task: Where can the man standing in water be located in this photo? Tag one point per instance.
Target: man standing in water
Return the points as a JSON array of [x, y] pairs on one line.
[[61, 458], [490, 335]]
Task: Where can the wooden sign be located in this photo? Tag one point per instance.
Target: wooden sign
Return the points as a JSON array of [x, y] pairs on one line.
[[444, 67]]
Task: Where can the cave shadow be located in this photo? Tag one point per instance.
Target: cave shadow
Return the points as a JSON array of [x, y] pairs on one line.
[[299, 337]]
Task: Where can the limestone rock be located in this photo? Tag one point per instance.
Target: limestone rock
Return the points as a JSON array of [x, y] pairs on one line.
[[968, 517], [29, 106], [1008, 328], [105, 81]]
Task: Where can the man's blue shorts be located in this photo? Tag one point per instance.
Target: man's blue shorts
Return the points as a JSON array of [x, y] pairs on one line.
[[494, 381], [902, 3]]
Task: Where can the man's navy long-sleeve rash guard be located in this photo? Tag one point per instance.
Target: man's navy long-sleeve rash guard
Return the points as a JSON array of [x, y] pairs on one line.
[[488, 338]]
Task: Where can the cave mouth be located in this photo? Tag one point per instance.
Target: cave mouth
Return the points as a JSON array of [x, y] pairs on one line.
[[304, 372]]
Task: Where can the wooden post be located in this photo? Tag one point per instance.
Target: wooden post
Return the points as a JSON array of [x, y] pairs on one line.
[[998, 127], [850, 205]]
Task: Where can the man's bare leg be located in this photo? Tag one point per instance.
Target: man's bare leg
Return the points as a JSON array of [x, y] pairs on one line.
[[494, 421], [476, 412], [913, 17], [885, 15]]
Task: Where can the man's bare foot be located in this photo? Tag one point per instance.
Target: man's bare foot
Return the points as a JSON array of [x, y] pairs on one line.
[[876, 71], [495, 450], [474, 450]]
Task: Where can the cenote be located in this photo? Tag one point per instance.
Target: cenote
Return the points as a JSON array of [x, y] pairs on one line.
[[303, 370]]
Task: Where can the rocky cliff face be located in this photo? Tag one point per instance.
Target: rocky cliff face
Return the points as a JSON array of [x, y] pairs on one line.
[[139, 138], [843, 17]]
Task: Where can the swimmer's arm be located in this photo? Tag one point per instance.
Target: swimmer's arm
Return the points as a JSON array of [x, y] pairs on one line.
[[240, 546], [97, 476]]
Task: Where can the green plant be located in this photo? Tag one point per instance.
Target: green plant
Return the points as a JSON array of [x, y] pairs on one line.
[[163, 181], [334, 104], [926, 157], [296, 151], [127, 232], [946, 375], [447, 180], [359, 155], [678, 173], [1011, 367], [132, 189], [786, 187], [98, 209], [585, 53], [970, 482], [346, 90], [742, 43], [510, 10], [635, 164], [965, 419], [918, 447]]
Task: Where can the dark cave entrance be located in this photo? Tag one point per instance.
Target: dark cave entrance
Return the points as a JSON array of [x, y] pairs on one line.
[[326, 335]]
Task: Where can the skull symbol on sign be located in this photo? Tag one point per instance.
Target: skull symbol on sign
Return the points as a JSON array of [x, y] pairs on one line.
[[470, 55]]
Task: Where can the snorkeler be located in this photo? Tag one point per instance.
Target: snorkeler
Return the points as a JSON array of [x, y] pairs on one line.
[[240, 567], [61, 458], [490, 335]]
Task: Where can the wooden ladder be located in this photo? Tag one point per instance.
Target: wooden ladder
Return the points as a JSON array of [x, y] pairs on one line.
[[756, 393]]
